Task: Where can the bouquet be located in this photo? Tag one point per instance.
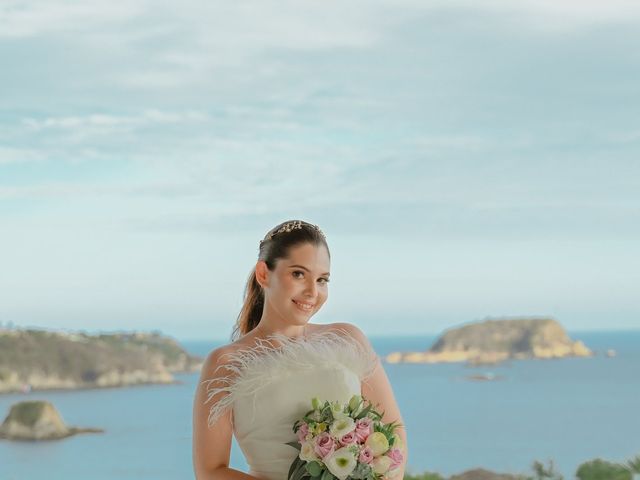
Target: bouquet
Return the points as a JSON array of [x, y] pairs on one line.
[[345, 442]]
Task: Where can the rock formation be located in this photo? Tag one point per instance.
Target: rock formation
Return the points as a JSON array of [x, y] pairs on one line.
[[37, 420], [482, 474], [40, 359], [495, 340]]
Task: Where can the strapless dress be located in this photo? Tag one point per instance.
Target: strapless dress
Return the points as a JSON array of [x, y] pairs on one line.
[[270, 385]]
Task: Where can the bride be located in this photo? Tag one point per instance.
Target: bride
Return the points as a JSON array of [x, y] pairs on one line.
[[257, 386]]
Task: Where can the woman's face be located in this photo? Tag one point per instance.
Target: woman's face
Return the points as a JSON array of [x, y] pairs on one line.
[[297, 288]]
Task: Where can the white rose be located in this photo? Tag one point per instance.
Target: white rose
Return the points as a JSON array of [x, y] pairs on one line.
[[381, 464], [391, 474], [378, 443], [306, 452]]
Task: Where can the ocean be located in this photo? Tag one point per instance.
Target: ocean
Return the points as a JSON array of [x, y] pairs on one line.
[[570, 410]]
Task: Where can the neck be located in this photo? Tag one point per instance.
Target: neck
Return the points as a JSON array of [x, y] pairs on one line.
[[263, 330]]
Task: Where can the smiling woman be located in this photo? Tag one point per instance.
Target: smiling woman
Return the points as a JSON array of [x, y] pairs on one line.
[[257, 386], [291, 275]]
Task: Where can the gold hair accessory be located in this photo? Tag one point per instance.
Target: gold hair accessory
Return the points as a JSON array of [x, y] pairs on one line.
[[288, 227]]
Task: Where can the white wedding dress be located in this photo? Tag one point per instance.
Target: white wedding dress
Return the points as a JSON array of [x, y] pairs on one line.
[[270, 385]]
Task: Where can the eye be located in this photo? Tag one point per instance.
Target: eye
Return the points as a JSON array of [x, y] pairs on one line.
[[296, 272]]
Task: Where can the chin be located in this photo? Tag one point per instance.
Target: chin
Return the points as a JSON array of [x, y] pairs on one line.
[[301, 320]]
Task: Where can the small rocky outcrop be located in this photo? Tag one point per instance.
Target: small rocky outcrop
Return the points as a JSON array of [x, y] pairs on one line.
[[482, 474], [37, 420], [495, 340], [484, 377]]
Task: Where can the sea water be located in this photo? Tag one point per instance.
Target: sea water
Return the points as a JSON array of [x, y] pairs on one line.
[[570, 411]]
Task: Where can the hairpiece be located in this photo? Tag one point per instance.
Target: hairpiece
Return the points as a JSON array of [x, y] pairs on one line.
[[288, 227]]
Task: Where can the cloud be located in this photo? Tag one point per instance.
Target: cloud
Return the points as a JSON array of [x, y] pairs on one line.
[[53, 190], [41, 17], [431, 143], [287, 24], [268, 99], [567, 13], [147, 117], [20, 155]]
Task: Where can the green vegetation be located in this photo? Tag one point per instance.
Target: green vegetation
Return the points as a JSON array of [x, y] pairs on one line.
[[596, 469], [602, 470], [82, 358], [634, 465], [543, 473], [28, 413]]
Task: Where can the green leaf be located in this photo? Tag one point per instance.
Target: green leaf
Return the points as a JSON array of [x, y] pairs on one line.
[[364, 412], [300, 471], [293, 467], [314, 469], [295, 445], [327, 475]]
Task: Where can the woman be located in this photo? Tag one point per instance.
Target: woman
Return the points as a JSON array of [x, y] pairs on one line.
[[257, 386]]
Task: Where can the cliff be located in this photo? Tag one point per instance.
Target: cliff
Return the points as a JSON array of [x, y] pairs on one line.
[[38, 359], [495, 340], [37, 420]]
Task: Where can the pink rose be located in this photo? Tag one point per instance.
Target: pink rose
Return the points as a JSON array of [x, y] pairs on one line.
[[364, 427], [324, 445], [366, 455], [348, 439], [302, 432], [395, 454]]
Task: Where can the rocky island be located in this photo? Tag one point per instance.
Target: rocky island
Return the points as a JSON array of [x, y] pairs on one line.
[[37, 420], [41, 359], [495, 340]]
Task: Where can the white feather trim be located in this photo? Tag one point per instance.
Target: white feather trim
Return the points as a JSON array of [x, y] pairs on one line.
[[252, 368]]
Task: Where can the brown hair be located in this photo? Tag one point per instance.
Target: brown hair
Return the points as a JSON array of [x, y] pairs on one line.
[[275, 245]]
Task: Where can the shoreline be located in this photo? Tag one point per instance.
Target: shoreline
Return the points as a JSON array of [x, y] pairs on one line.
[[95, 387]]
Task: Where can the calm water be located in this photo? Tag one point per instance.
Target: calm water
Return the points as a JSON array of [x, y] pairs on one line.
[[570, 410]]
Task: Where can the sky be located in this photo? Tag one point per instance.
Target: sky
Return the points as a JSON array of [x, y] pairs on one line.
[[465, 160]]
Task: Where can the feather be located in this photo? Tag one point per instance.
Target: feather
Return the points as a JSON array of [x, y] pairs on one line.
[[251, 368]]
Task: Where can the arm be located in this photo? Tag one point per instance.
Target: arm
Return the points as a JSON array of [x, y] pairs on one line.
[[377, 389], [212, 444]]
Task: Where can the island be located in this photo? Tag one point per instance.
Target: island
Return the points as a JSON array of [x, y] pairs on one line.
[[38, 420], [33, 359], [495, 340]]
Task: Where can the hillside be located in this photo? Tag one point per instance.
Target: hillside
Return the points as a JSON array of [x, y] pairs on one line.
[[39, 359]]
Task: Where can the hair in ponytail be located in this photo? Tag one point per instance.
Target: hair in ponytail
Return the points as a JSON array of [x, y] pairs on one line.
[[275, 245]]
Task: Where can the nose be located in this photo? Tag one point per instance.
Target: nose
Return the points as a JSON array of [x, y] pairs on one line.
[[311, 290]]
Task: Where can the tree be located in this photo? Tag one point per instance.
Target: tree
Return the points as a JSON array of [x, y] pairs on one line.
[[599, 469], [543, 473]]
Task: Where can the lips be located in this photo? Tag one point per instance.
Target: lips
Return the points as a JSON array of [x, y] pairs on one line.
[[304, 306]]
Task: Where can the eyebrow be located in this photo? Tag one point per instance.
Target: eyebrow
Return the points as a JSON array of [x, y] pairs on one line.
[[305, 268]]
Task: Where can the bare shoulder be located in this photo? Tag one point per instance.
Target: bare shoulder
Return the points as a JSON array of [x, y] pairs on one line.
[[222, 355], [351, 329], [217, 357]]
